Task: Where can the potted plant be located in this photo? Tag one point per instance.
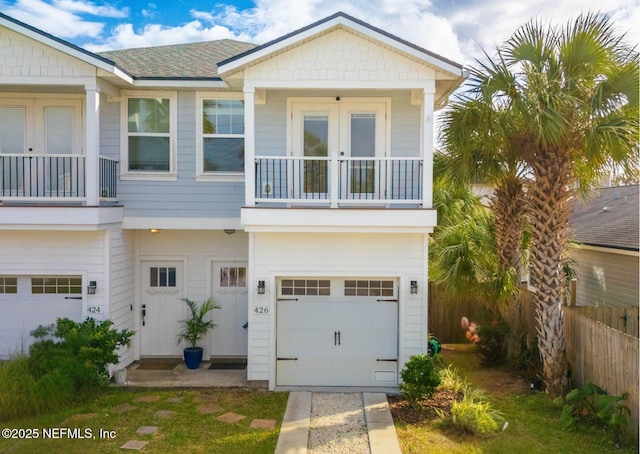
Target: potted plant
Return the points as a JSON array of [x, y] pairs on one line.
[[194, 328]]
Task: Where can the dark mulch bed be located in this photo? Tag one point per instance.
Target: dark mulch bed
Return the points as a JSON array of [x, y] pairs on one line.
[[423, 411]]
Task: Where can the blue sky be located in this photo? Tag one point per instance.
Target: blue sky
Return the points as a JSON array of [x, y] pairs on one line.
[[457, 29]]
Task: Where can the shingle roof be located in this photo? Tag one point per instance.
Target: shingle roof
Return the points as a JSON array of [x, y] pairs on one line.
[[177, 61], [610, 219]]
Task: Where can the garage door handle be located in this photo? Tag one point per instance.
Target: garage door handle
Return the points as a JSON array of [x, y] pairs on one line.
[[392, 360], [73, 297], [387, 301], [287, 359]]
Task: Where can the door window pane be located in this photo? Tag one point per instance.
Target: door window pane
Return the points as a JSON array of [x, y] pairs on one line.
[[363, 145], [162, 276], [58, 123], [12, 129], [233, 276], [316, 139]]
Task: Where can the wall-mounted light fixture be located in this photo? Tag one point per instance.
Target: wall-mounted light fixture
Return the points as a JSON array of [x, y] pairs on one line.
[[261, 288], [91, 288], [414, 287], [154, 231], [229, 231]]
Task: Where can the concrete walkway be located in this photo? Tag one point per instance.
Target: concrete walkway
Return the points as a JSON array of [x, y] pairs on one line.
[[294, 433]]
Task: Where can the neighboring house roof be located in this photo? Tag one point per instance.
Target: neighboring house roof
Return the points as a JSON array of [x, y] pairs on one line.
[[179, 61], [609, 218]]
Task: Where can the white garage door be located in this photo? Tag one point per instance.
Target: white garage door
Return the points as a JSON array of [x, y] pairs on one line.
[[337, 332]]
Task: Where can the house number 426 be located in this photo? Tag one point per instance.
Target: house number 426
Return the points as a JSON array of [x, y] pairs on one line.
[[261, 310]]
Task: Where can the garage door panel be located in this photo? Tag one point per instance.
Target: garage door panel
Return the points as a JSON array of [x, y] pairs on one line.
[[337, 341]]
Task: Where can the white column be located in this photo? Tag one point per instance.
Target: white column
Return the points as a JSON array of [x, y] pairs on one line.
[[92, 145], [427, 145], [249, 147]]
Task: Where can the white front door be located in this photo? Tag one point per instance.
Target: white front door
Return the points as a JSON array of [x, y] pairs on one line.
[[337, 332], [354, 128], [161, 308], [230, 290]]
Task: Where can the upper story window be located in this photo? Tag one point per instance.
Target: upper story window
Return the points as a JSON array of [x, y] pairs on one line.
[[220, 138], [148, 148]]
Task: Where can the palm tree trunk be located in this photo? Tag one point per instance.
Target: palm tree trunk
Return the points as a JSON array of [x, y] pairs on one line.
[[509, 210], [550, 211]]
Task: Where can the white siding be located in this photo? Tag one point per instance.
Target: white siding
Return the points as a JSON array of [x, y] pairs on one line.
[[23, 57], [606, 278], [334, 255], [47, 253], [122, 285], [339, 56]]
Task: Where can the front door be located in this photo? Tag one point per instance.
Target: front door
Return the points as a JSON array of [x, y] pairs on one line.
[[354, 128], [161, 308], [230, 290]]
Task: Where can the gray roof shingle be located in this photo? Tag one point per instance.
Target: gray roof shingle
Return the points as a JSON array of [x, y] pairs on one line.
[[609, 219], [177, 61]]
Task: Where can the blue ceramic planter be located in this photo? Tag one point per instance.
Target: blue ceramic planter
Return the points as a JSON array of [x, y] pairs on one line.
[[193, 357]]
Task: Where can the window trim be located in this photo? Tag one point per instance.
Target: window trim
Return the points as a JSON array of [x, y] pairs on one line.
[[172, 173], [201, 175]]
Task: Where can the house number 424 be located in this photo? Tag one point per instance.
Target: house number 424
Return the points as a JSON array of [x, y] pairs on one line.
[[261, 310]]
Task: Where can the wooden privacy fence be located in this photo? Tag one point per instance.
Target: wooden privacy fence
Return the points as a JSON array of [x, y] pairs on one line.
[[624, 320], [603, 356]]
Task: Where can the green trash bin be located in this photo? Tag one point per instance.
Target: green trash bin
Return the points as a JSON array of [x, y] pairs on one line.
[[433, 346]]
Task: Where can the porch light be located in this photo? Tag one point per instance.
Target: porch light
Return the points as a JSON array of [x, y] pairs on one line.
[[414, 287], [91, 288], [261, 287], [154, 231], [229, 231]]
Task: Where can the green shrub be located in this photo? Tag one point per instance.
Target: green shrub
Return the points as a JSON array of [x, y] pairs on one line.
[[492, 345], [474, 414], [419, 378], [593, 405]]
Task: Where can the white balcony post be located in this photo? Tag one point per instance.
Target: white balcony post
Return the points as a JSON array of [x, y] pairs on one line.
[[427, 146], [92, 146], [249, 147], [334, 175]]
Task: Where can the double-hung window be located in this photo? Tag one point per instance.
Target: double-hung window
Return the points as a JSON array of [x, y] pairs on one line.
[[148, 148], [220, 138]]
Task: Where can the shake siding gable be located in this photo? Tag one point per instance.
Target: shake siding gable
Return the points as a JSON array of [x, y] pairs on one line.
[[22, 57], [339, 55]]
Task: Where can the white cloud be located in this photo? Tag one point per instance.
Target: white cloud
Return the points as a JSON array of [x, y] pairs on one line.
[[456, 30]]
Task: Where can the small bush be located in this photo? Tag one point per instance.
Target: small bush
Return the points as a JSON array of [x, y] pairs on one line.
[[419, 378], [80, 353], [492, 345], [593, 405], [474, 414]]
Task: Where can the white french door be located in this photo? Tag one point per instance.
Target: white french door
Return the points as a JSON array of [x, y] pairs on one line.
[[230, 289], [354, 129], [40, 129]]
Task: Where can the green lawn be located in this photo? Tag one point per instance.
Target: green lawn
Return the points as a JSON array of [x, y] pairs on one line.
[[185, 430], [534, 422]]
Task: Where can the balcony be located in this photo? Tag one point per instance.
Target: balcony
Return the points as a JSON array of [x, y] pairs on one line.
[[338, 181], [53, 178]]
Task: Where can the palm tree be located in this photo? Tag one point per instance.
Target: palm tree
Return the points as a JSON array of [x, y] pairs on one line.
[[571, 96], [475, 132]]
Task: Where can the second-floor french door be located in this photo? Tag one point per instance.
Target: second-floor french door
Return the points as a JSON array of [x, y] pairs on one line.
[[40, 141], [353, 129]]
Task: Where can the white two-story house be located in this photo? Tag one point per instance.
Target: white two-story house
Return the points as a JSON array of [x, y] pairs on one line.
[[292, 181]]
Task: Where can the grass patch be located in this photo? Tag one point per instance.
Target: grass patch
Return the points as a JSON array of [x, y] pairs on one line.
[[535, 424], [186, 430]]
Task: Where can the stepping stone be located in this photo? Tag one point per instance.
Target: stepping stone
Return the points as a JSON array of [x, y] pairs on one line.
[[175, 400], [263, 424], [135, 445], [210, 408], [203, 398], [164, 414], [230, 417], [146, 430], [122, 408], [152, 398]]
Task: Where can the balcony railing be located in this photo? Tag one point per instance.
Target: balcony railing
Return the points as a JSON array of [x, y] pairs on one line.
[[53, 178], [336, 181]]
